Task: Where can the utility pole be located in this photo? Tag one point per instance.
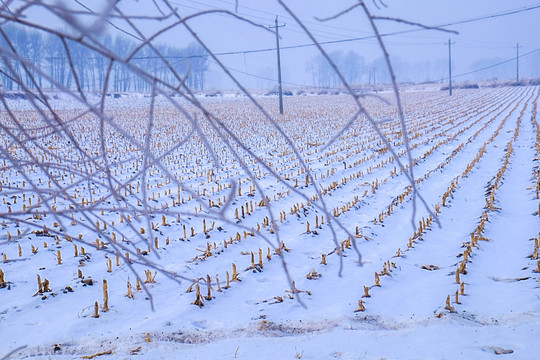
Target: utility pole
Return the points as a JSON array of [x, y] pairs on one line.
[[517, 62], [280, 88], [450, 66]]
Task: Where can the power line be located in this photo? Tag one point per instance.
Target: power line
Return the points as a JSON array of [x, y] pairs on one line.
[[490, 66], [459, 22], [321, 33], [272, 15], [272, 79], [325, 25], [505, 13]]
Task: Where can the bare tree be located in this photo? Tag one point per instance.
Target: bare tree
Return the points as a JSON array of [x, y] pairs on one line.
[[84, 58]]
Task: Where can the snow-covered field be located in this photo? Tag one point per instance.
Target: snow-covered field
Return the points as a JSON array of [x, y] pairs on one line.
[[463, 284]]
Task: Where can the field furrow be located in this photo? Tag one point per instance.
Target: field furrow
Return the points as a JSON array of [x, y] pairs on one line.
[[172, 233]]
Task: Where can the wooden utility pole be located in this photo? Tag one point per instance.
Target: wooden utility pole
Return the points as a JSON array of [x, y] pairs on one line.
[[517, 62], [280, 88], [450, 66]]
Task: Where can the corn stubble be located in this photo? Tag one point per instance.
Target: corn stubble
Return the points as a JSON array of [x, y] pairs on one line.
[[3, 282]]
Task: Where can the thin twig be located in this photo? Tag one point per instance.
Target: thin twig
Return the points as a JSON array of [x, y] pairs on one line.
[[398, 20]]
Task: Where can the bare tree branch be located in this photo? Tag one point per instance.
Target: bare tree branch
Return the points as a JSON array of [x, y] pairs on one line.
[[398, 20], [92, 165]]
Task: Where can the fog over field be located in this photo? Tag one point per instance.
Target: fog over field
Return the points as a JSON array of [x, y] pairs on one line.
[[487, 34]]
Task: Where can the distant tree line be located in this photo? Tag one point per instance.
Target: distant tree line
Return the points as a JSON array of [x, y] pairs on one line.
[[351, 65], [48, 53], [356, 70]]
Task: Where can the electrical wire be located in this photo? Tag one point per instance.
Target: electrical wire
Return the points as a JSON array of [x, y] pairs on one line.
[[274, 80], [370, 37], [459, 22], [291, 21], [297, 29], [325, 25], [491, 66]]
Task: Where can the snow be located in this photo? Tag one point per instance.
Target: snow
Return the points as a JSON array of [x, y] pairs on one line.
[[260, 316]]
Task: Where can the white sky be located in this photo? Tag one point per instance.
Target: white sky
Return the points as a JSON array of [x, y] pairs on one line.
[[484, 39]]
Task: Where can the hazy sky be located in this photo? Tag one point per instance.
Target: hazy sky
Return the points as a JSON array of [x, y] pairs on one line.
[[484, 39], [489, 38]]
